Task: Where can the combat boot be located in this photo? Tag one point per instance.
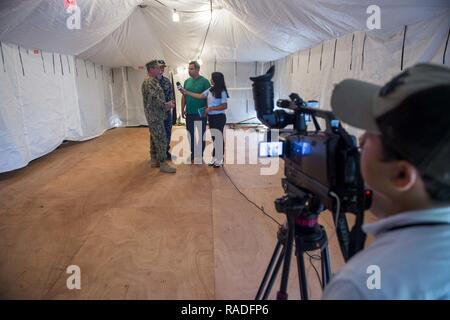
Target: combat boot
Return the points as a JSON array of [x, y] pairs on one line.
[[154, 163], [166, 168]]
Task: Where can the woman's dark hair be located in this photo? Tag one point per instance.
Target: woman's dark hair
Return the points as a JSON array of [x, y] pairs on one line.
[[219, 85]]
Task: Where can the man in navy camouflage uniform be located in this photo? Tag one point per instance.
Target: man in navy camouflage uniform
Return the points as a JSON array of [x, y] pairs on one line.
[[155, 108], [167, 87]]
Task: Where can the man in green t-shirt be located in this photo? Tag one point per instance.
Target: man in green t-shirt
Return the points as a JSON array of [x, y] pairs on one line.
[[193, 110]]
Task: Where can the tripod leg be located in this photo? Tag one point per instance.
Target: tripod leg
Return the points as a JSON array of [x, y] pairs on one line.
[[303, 285], [326, 270], [276, 252], [282, 293], [274, 274]]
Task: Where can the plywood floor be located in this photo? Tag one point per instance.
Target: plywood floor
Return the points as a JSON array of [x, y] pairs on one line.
[[136, 233]]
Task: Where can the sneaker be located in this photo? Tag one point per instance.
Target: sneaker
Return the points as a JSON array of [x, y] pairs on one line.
[[154, 163], [213, 161], [166, 168], [218, 164]]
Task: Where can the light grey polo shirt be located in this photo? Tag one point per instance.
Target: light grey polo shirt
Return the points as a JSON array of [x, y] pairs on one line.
[[409, 259]]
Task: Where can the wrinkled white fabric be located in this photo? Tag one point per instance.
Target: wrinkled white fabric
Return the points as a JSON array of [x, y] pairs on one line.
[[120, 33], [83, 82]]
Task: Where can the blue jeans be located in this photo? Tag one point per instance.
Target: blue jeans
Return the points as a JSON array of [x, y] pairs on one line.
[[191, 120]]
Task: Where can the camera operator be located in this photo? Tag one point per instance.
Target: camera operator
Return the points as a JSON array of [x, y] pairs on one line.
[[405, 159]]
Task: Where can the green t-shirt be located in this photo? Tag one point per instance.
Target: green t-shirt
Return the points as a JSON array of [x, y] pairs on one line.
[[198, 85]]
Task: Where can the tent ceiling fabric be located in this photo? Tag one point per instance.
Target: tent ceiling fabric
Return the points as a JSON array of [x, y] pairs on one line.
[[121, 33], [42, 23]]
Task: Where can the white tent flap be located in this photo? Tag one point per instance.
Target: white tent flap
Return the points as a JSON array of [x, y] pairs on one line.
[[67, 83]]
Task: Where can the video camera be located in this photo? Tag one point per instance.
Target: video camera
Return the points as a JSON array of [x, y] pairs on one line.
[[321, 165]]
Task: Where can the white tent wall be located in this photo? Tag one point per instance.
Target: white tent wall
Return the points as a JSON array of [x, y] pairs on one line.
[[47, 98], [117, 88], [133, 83], [94, 100], [312, 73]]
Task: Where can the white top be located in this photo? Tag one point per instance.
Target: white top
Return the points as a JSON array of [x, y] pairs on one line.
[[414, 261], [215, 102]]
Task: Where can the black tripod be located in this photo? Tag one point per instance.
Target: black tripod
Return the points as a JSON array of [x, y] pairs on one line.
[[301, 225]]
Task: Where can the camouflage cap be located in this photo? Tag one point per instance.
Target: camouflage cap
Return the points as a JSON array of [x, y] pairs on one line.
[[153, 64]]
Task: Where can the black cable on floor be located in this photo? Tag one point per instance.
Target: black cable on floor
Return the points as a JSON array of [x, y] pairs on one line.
[[317, 258], [246, 198]]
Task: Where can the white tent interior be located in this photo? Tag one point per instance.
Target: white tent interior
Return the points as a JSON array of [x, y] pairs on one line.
[[58, 83]]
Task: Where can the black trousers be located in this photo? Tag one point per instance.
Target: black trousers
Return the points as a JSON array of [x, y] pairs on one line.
[[218, 122], [193, 121], [168, 127]]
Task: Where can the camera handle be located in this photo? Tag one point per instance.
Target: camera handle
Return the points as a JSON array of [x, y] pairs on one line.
[[302, 228]]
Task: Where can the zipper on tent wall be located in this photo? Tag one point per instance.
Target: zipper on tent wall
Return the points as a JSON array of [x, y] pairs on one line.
[[309, 59], [351, 52], [21, 61], [68, 64], [60, 62], [125, 93], [334, 54], [292, 64], [111, 84], [403, 47], [235, 73], [22, 114], [321, 54], [363, 51], [53, 62], [43, 62], [3, 57], [446, 45], [85, 67]]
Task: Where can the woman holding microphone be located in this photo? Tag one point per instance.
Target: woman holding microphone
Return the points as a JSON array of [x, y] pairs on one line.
[[216, 97]]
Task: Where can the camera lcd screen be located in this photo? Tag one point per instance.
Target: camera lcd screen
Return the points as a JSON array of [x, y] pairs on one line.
[[270, 149], [301, 148]]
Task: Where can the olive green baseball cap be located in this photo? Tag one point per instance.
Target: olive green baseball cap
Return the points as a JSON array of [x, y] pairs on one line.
[[360, 103], [411, 113]]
